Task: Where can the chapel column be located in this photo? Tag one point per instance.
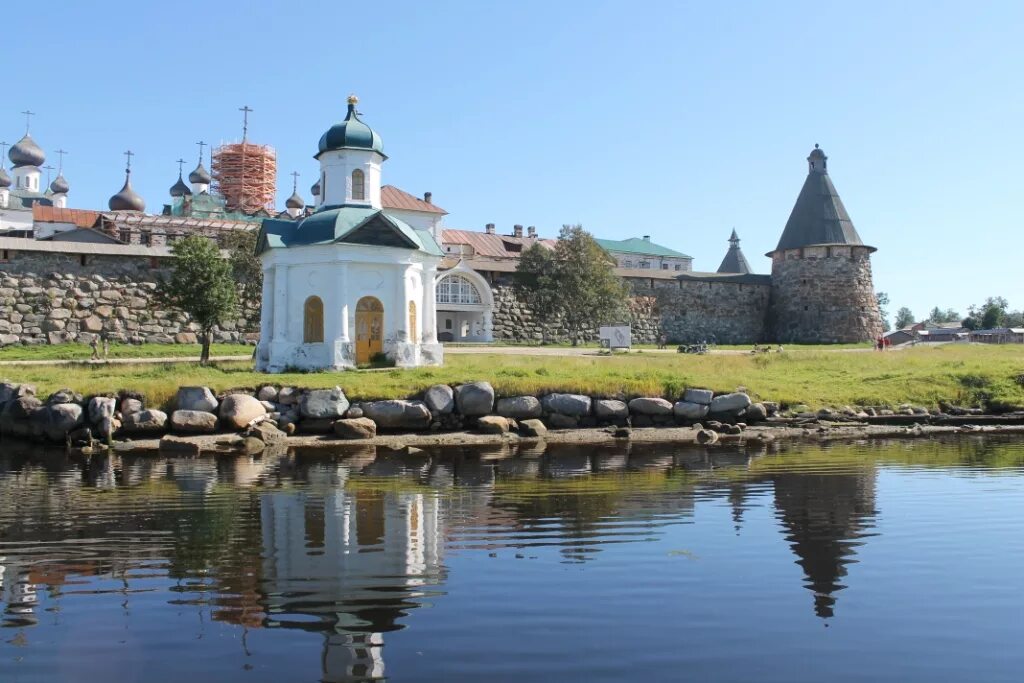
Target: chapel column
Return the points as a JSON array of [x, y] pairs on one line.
[[430, 306], [341, 288], [488, 325], [267, 301], [280, 302]]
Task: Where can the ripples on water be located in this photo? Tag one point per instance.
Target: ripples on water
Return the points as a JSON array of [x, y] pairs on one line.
[[897, 561]]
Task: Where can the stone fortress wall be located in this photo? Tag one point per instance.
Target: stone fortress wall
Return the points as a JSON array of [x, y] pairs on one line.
[[52, 298]]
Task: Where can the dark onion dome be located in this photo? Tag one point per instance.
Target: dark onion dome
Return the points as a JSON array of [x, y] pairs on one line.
[[315, 190], [180, 189], [127, 199], [59, 185], [295, 202], [817, 153], [200, 176], [25, 152], [5, 180], [351, 134]]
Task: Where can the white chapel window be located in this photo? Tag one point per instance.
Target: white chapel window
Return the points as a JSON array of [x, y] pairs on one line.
[[627, 264], [358, 185], [455, 289]]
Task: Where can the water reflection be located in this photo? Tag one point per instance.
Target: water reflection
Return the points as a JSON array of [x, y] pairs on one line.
[[347, 545]]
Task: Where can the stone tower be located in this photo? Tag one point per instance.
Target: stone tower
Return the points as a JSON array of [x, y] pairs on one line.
[[821, 271]]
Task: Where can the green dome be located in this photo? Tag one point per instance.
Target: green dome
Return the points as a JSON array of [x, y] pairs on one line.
[[351, 134]]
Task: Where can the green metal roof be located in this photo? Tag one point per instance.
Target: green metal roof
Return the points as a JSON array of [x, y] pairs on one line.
[[351, 134], [334, 225], [637, 245]]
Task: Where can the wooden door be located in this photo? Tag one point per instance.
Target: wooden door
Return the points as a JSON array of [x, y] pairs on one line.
[[369, 328]]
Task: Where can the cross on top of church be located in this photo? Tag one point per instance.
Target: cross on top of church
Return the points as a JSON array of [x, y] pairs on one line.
[[245, 121], [48, 169], [28, 119], [295, 181], [129, 154], [201, 145], [181, 166], [60, 166]]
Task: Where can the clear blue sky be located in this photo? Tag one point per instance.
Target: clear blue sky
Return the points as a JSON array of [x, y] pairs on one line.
[[678, 120]]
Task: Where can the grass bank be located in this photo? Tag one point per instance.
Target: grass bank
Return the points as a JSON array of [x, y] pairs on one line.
[[84, 351], [991, 376]]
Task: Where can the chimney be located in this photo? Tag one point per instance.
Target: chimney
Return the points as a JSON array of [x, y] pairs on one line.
[[517, 231], [489, 229], [531, 232], [428, 197], [647, 238]]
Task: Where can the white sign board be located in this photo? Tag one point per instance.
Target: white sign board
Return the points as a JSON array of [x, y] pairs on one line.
[[616, 337]]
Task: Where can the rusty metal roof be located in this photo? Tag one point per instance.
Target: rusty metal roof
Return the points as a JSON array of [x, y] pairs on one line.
[[393, 198], [80, 218], [493, 246], [131, 219]]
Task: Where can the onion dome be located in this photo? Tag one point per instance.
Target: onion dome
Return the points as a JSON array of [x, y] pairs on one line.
[[25, 152], [127, 199], [5, 180], [59, 185], [315, 190], [351, 134], [180, 189], [200, 176], [295, 201]]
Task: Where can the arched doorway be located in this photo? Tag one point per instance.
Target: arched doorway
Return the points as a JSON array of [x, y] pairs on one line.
[[369, 328], [465, 306]]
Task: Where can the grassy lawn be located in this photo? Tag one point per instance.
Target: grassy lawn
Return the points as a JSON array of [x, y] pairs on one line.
[[970, 375], [84, 352]]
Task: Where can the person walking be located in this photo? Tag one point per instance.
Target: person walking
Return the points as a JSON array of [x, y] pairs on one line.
[[94, 343]]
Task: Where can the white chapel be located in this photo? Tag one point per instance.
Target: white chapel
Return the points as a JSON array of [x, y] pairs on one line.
[[348, 282]]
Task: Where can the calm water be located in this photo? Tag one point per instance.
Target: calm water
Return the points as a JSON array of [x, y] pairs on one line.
[[899, 561]]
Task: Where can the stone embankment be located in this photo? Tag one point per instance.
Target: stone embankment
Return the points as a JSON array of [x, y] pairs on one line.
[[251, 420]]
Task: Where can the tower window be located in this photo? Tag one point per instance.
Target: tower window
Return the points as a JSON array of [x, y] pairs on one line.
[[358, 184]]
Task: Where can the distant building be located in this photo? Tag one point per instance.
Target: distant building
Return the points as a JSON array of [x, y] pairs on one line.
[[998, 335], [643, 254]]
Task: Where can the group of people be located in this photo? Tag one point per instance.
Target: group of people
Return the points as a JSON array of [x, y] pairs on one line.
[[95, 343], [882, 344]]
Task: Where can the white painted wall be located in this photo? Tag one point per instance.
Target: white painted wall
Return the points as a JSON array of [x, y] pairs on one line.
[[421, 220], [341, 274], [336, 169]]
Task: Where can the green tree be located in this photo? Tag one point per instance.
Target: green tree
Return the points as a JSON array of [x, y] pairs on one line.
[[202, 285], [248, 273], [883, 302], [537, 286], [575, 283], [904, 318], [944, 316], [992, 313]]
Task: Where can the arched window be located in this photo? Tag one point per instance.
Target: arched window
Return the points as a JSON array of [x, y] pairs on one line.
[[412, 322], [627, 264], [358, 185], [313, 321], [455, 289]]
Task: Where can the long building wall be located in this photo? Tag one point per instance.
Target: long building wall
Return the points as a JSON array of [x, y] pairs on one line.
[[693, 310], [51, 298]]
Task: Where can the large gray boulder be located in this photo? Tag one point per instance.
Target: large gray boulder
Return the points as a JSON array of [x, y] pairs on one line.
[[396, 414], [8, 391], [101, 407], [323, 403], [440, 398], [688, 410], [532, 428], [267, 393], [702, 396], [610, 409], [63, 396], [196, 398], [730, 403], [519, 407], [145, 422], [474, 399], [238, 410], [17, 416], [131, 405], [355, 428], [650, 406], [193, 421], [59, 419], [755, 412], [573, 405]]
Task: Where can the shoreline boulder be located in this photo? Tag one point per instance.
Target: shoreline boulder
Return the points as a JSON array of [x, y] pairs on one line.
[[688, 410], [398, 414], [702, 396], [474, 399], [732, 404], [145, 422], [237, 411], [193, 421], [571, 405], [322, 403], [650, 406], [440, 398], [610, 409], [519, 407], [196, 398], [355, 428]]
